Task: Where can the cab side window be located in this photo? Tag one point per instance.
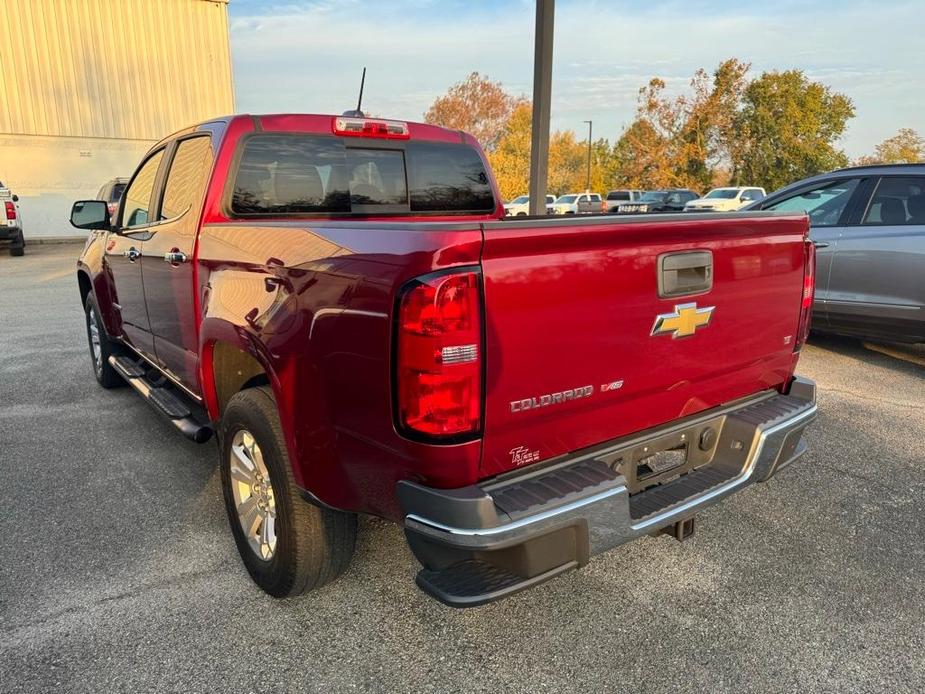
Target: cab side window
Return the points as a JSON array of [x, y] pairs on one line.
[[138, 196], [186, 181], [897, 201]]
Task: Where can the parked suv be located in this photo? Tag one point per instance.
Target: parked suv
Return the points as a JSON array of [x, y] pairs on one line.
[[520, 206], [615, 197], [11, 221], [868, 224], [725, 199], [111, 192], [577, 203], [658, 201]]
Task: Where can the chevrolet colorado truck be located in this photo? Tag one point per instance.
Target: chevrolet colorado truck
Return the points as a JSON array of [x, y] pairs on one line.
[[341, 301]]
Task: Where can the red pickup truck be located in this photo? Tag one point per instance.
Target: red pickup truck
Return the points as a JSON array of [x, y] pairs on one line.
[[341, 300]]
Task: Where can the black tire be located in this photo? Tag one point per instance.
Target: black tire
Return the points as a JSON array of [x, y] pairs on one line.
[[19, 248], [314, 545], [107, 376]]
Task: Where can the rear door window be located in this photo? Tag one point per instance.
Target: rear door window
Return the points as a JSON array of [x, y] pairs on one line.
[[825, 204], [186, 180], [897, 201], [309, 174]]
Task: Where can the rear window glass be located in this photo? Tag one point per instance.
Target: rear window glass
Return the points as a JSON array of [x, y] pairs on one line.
[[305, 174], [618, 195], [448, 178], [117, 191]]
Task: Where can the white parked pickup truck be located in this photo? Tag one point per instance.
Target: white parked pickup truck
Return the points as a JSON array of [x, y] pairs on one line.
[[577, 203], [11, 221], [725, 199]]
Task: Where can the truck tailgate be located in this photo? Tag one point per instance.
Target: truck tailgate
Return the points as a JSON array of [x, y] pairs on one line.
[[575, 352]]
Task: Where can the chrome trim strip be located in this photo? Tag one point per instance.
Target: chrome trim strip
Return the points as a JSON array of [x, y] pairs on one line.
[[514, 525], [196, 398], [734, 482], [339, 311]]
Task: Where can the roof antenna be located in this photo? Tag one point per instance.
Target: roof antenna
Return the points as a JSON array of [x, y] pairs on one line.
[[358, 113]]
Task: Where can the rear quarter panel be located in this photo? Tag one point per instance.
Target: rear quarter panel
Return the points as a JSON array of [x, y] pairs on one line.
[[313, 303]]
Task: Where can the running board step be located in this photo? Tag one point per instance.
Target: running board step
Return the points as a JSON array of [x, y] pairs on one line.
[[163, 399], [127, 367], [474, 582]]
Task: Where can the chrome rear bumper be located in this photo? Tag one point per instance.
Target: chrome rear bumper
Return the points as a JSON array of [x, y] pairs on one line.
[[480, 543]]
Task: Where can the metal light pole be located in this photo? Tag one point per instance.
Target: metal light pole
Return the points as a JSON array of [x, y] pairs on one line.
[[588, 187], [542, 96]]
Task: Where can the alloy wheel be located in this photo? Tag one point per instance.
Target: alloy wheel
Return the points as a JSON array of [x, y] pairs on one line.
[[253, 494]]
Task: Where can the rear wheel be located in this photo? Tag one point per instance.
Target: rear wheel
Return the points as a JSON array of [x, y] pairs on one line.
[[287, 545], [18, 247], [101, 347]]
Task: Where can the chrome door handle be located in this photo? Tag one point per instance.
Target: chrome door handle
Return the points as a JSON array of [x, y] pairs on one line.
[[132, 254], [821, 244], [175, 257]]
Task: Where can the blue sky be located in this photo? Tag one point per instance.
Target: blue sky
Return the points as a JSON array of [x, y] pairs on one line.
[[306, 55]]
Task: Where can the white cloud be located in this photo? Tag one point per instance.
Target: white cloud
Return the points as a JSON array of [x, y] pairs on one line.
[[307, 56]]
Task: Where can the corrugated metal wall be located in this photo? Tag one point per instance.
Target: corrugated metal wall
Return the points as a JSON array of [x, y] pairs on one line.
[[125, 69]]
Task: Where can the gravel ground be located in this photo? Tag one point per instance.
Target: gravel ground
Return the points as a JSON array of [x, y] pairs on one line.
[[120, 573]]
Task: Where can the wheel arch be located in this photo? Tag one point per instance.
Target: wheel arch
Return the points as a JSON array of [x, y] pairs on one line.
[[229, 370], [84, 285]]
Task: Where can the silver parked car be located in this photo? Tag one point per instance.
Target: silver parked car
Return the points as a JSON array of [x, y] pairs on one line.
[[868, 224]]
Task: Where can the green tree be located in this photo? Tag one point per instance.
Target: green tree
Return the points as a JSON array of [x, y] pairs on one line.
[[787, 129], [686, 137]]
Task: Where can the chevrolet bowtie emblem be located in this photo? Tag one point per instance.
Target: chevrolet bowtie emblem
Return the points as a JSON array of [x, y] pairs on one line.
[[684, 321]]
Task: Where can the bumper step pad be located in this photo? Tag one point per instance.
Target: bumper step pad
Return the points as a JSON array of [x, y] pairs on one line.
[[473, 582]]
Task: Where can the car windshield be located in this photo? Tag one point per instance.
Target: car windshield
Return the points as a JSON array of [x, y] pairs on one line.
[[722, 193], [567, 199], [520, 201], [653, 196]]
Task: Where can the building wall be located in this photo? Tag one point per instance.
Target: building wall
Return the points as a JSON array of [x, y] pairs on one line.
[[87, 86]]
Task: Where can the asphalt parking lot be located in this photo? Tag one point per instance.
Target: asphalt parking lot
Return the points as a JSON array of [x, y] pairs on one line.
[[119, 574]]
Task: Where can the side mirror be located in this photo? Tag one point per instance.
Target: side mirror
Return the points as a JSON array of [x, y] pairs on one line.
[[90, 214], [15, 197]]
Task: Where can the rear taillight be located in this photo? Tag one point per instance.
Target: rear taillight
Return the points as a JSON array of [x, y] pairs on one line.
[[10, 210], [438, 366], [113, 208], [369, 127], [809, 291]]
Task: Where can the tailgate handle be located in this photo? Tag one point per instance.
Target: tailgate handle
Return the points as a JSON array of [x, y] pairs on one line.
[[684, 273]]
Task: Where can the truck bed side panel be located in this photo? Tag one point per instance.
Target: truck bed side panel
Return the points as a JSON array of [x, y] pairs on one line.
[[313, 303]]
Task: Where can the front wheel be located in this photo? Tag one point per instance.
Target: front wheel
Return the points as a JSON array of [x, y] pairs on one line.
[[101, 347], [288, 546]]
